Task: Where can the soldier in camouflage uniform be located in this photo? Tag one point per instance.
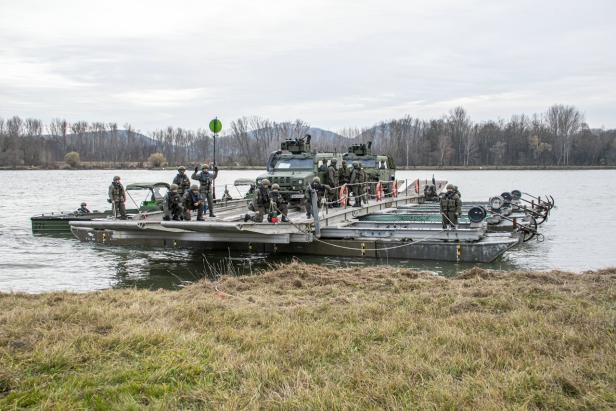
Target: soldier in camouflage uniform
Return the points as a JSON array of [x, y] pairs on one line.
[[278, 202], [172, 204], [344, 174], [206, 180], [260, 202], [318, 189], [357, 180], [333, 180], [117, 198], [83, 209], [451, 207], [193, 200], [182, 181]]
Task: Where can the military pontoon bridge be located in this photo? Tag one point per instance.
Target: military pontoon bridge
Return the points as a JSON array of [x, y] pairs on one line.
[[334, 231]]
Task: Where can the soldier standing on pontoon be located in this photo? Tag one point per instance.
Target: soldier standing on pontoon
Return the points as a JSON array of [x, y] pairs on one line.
[[117, 197], [357, 180], [451, 207], [182, 181], [344, 174], [206, 179], [333, 180]]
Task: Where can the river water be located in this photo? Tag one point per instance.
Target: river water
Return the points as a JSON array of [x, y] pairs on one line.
[[580, 234]]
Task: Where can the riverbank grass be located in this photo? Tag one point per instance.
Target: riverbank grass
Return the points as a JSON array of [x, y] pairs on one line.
[[304, 336]]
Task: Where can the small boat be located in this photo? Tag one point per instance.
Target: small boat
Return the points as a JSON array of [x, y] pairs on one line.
[[145, 197]]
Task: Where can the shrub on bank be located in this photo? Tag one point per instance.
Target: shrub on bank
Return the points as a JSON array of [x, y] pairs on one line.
[[157, 160], [72, 159]]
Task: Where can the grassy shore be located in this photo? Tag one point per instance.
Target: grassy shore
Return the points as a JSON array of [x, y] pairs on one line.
[[304, 336]]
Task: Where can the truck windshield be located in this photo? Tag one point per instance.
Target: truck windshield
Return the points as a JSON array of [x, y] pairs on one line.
[[294, 163], [368, 163]]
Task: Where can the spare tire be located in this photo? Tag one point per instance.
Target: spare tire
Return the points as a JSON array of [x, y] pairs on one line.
[[477, 214], [516, 194]]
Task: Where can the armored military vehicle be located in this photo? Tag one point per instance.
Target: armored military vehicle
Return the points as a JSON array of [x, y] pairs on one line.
[[294, 166], [377, 167]]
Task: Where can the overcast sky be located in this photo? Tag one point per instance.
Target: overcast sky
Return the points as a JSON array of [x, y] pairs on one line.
[[331, 63]]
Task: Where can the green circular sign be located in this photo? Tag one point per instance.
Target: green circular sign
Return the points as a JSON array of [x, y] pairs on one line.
[[215, 126]]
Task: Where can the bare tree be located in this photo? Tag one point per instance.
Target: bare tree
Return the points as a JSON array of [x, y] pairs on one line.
[[564, 122]]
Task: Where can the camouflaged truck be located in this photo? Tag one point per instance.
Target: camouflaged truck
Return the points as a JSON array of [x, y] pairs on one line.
[[377, 167], [294, 166]]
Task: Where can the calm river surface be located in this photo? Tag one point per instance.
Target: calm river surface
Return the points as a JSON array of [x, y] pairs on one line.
[[580, 235]]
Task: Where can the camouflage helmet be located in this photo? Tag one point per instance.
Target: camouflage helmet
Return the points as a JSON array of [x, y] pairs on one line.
[[451, 186], [355, 164], [265, 182], [194, 187], [116, 178], [334, 161], [174, 187], [275, 186], [316, 180], [205, 166], [83, 204], [181, 168]]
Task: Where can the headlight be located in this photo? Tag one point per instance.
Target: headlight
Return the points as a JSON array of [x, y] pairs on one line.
[[300, 181]]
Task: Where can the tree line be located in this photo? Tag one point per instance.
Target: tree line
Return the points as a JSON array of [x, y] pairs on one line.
[[557, 137]]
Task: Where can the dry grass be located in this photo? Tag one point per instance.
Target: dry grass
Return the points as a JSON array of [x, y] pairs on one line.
[[304, 336]]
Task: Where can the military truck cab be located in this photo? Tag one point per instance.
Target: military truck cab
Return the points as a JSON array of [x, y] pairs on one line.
[[294, 166], [377, 167]]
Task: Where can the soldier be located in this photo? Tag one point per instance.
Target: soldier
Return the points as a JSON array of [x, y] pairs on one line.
[[333, 181], [117, 197], [320, 190], [278, 202], [182, 181], [363, 177], [344, 174], [451, 207], [357, 180], [83, 209], [193, 200], [206, 179], [260, 202], [430, 193], [172, 204]]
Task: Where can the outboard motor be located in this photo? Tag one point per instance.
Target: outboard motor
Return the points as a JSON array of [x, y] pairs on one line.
[[477, 214]]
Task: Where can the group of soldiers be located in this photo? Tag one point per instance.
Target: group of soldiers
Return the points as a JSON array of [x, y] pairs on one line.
[[354, 177], [182, 198], [267, 200]]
